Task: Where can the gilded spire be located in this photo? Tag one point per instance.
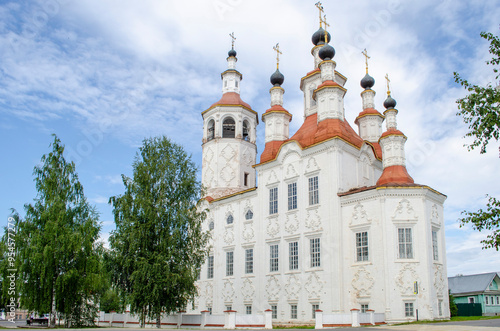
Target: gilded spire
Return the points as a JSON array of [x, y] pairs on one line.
[[326, 25], [388, 81], [365, 53], [233, 38], [278, 52], [319, 5]]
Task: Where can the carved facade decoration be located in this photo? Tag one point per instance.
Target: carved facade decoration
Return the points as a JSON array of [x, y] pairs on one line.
[[292, 223], [248, 232], [273, 226], [313, 220], [312, 165], [292, 288], [362, 282], [359, 216], [405, 279], [228, 290], [314, 285], [404, 211], [247, 290], [273, 288]]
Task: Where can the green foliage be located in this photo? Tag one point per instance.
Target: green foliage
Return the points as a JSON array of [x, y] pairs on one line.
[[480, 109], [453, 305], [158, 245], [111, 301], [58, 254], [488, 219]]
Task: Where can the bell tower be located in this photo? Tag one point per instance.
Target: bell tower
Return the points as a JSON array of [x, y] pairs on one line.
[[229, 135]]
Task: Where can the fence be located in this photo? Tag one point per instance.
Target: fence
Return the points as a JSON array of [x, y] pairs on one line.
[[229, 320], [355, 318], [469, 309]]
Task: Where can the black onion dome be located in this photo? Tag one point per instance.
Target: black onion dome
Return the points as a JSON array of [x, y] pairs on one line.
[[367, 82], [232, 52], [277, 78], [326, 52], [318, 37], [389, 103]]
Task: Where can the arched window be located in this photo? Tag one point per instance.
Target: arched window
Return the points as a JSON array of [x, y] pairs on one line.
[[229, 219], [211, 225], [249, 215], [211, 130], [246, 129], [228, 128]]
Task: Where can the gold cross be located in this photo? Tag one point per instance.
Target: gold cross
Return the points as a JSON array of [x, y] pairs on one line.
[[320, 7], [278, 52], [388, 81], [326, 25], [233, 39], [365, 53]]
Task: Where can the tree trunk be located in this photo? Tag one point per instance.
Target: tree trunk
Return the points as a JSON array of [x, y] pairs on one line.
[[158, 321], [52, 316]]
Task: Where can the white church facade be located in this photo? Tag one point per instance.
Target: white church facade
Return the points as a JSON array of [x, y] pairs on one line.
[[336, 222]]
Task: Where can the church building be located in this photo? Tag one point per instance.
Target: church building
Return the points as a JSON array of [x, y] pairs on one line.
[[336, 222]]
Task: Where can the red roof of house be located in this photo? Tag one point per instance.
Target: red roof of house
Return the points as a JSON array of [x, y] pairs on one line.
[[231, 98], [311, 132], [392, 132], [396, 174]]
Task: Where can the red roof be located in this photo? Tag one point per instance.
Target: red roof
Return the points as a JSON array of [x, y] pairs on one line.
[[392, 132], [231, 98], [311, 132], [396, 174], [277, 108], [368, 111]]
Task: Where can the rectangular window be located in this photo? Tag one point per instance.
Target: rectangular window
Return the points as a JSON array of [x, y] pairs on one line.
[[229, 263], [292, 196], [486, 300], [440, 307], [471, 300], [315, 307], [294, 255], [498, 300], [210, 267], [245, 179], [313, 191], [273, 258], [409, 309], [315, 252], [274, 311], [209, 310], [405, 243], [248, 309], [229, 307], [249, 261], [362, 246], [293, 312], [273, 200], [435, 245]]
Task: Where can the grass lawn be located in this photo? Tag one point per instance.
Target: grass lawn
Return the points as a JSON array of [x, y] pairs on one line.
[[454, 319]]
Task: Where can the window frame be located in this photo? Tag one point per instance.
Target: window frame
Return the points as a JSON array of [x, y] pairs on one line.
[[315, 252], [293, 255], [435, 247], [249, 261], [229, 263], [274, 260], [292, 196], [362, 246], [313, 189], [273, 200], [294, 311], [409, 309], [210, 267], [405, 247]]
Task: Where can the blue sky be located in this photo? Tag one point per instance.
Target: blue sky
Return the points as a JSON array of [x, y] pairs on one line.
[[103, 75]]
